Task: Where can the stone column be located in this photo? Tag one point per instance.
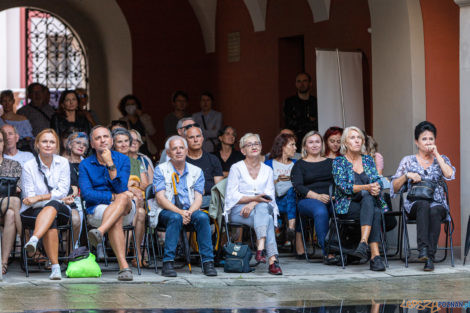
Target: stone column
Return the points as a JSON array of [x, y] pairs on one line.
[[464, 52]]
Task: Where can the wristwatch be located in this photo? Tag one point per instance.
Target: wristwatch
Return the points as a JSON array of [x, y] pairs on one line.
[[111, 167]]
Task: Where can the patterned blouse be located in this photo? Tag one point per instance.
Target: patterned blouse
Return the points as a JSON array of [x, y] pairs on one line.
[[434, 173], [10, 168], [343, 175]]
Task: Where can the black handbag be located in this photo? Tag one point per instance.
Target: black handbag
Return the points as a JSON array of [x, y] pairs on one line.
[[237, 258], [424, 190], [8, 186]]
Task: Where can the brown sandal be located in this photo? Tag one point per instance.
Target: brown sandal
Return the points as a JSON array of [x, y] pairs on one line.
[[4, 268]]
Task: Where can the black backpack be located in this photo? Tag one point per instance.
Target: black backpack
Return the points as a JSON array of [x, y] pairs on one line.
[[237, 258]]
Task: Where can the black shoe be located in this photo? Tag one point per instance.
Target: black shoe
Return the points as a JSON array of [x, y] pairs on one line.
[[361, 251], [332, 260], [423, 255], [376, 264], [168, 270], [429, 265], [209, 269]]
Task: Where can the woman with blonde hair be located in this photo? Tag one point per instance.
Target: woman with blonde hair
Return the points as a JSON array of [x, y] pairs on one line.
[[357, 194], [311, 177], [45, 185]]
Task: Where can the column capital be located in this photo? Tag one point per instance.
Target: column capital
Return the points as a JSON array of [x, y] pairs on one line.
[[462, 3]]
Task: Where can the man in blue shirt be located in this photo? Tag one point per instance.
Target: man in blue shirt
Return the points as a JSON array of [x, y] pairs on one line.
[[183, 206], [103, 179]]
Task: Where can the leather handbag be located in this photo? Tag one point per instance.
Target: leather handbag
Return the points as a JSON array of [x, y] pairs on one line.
[[8, 186], [424, 190]]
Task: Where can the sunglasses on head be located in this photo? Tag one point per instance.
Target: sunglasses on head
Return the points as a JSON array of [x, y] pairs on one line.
[[190, 125]]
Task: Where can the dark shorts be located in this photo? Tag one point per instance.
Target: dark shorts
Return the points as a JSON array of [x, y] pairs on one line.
[[28, 217]]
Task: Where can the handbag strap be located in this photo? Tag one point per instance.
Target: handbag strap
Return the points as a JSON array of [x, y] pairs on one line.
[[49, 188], [8, 199]]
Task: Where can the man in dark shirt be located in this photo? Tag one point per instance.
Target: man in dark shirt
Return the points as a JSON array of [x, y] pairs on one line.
[[300, 111], [209, 163]]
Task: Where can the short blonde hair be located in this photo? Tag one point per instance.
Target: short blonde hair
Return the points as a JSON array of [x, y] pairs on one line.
[[45, 131], [304, 141], [345, 135], [246, 136], [137, 134]]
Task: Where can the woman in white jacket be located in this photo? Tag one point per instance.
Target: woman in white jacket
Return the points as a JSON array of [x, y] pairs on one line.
[[250, 199]]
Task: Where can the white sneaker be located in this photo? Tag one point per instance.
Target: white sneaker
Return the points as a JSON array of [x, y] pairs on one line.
[[30, 246], [56, 274]]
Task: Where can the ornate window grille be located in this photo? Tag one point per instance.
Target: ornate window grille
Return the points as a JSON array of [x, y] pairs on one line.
[[55, 56]]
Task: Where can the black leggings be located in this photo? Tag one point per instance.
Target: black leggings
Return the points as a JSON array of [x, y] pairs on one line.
[[28, 217], [367, 214], [428, 224]]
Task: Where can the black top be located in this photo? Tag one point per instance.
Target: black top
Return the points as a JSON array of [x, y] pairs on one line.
[[301, 116], [234, 157], [210, 166], [314, 176], [60, 124]]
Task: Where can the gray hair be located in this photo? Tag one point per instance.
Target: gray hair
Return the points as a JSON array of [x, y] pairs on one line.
[[175, 137], [12, 126], [186, 130], [304, 141], [137, 134], [345, 135], [121, 131], [246, 136], [181, 121]]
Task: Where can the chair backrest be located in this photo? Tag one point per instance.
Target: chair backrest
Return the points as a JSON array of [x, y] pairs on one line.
[[149, 192]]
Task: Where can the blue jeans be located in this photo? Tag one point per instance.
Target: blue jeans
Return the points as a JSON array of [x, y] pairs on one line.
[[319, 211], [174, 222]]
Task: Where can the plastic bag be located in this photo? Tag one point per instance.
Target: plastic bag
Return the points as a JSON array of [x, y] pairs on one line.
[[84, 268]]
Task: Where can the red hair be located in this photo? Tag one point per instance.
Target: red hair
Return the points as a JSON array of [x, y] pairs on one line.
[[334, 130]]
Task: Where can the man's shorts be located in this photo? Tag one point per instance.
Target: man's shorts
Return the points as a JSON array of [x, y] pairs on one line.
[[96, 218]]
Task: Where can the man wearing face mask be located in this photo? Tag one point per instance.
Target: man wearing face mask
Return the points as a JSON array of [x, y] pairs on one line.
[[131, 110]]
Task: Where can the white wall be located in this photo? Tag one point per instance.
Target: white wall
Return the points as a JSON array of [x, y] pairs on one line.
[[398, 76], [10, 51], [105, 34]]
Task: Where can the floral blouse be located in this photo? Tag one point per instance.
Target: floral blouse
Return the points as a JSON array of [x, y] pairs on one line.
[[10, 168], [433, 172], [343, 176]]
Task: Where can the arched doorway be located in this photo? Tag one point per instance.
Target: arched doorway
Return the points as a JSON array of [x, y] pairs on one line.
[[107, 41]]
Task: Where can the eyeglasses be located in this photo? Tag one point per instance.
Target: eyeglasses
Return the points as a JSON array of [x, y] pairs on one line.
[[252, 144], [190, 125]]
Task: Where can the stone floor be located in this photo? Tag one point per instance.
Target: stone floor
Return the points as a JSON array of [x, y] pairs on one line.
[[303, 284]]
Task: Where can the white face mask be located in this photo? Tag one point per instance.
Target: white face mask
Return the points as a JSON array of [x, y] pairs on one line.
[[130, 109]]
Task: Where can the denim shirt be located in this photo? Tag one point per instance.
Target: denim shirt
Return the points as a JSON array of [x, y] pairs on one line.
[[343, 175]]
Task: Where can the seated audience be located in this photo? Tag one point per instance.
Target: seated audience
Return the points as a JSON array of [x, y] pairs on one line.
[[11, 151], [185, 122], [180, 101], [426, 165], [311, 177], [9, 208], [103, 179], [25, 131], [179, 187], [209, 163], [122, 140], [131, 110], [332, 140], [37, 111], [83, 106], [357, 194], [210, 122], [69, 117], [145, 162], [249, 199], [75, 149], [45, 185], [281, 162], [226, 153]]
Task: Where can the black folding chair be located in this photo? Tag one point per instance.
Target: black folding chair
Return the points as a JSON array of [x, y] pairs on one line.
[[448, 229], [338, 226]]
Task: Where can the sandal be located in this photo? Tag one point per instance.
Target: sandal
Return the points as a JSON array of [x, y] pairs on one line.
[[125, 274], [4, 268], [142, 264], [95, 237], [38, 257]]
